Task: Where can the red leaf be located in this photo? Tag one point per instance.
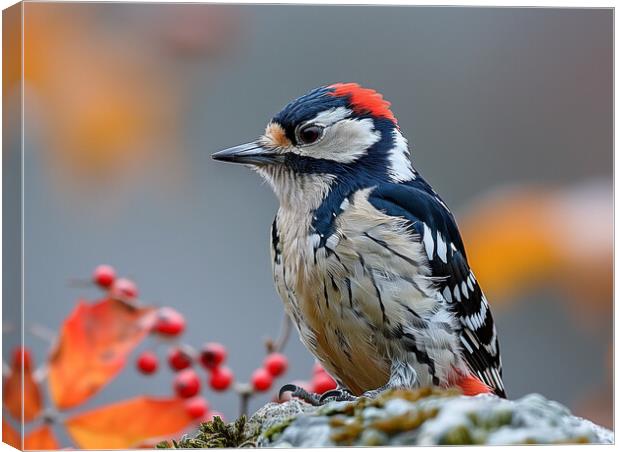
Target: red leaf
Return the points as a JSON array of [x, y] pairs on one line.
[[128, 423], [10, 436], [15, 395], [93, 346], [41, 439]]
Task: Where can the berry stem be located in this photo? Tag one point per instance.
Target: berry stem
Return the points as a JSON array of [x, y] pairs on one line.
[[245, 392], [42, 332], [245, 402], [285, 333]]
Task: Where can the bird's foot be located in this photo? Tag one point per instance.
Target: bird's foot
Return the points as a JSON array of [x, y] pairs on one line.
[[334, 395], [300, 393], [337, 395]]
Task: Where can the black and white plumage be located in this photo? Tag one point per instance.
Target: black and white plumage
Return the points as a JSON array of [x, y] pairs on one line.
[[367, 258]]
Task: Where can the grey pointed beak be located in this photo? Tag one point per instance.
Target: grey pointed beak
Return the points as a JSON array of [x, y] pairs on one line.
[[248, 154]]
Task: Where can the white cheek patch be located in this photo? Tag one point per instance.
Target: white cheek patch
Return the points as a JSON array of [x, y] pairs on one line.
[[345, 141], [400, 168], [331, 116]]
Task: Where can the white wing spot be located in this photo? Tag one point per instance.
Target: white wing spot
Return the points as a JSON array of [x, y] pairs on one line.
[[467, 346], [429, 244], [464, 290], [447, 295], [472, 338], [457, 293], [470, 283], [442, 249]]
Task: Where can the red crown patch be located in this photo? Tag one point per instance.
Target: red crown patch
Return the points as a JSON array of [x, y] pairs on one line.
[[364, 100]]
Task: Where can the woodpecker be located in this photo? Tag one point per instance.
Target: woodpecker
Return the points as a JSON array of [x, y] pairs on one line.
[[366, 256]]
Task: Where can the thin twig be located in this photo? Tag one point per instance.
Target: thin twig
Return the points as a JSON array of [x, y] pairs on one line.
[[42, 332], [285, 332], [245, 392]]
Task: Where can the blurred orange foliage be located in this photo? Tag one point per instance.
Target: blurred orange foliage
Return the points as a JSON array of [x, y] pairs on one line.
[[104, 105], [129, 423], [92, 348], [526, 236], [107, 98], [10, 436], [41, 438], [13, 390]]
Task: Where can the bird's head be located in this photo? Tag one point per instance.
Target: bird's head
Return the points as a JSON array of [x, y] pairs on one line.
[[336, 134]]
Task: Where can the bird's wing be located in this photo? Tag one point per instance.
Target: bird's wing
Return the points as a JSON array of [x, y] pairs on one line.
[[434, 224]]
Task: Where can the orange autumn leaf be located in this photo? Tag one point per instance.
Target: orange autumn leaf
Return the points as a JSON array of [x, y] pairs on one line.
[[128, 423], [10, 436], [41, 438], [15, 395], [92, 348]]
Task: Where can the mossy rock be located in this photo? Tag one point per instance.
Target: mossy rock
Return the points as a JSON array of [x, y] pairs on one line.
[[427, 416]]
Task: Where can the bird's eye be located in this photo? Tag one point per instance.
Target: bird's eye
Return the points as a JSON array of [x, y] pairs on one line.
[[310, 134]]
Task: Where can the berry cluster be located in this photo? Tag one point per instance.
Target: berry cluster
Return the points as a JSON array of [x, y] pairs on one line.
[[123, 288], [184, 360]]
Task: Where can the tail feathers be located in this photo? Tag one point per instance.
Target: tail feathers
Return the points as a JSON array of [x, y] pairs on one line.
[[472, 385]]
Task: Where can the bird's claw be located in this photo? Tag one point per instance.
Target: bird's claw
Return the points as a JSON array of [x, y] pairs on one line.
[[337, 395], [300, 393], [334, 395]]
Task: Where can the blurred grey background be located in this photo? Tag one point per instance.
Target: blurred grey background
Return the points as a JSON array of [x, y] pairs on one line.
[[488, 97]]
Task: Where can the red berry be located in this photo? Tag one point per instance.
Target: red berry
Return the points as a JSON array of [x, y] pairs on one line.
[[124, 288], [104, 275], [322, 383], [21, 356], [196, 407], [212, 355], [178, 359], [261, 380], [317, 368], [187, 383], [276, 364], [147, 363], [169, 322], [221, 378]]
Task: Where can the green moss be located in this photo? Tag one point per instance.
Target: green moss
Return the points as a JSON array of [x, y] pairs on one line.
[[214, 434], [457, 436], [348, 424], [404, 422], [491, 423], [413, 395], [576, 440], [345, 419]]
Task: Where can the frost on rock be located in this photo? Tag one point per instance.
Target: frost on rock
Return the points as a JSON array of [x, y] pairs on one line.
[[423, 417]]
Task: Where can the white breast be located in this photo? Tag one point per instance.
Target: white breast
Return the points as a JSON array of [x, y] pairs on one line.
[[353, 299]]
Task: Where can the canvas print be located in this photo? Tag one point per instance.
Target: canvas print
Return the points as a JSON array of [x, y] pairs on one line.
[[233, 225]]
